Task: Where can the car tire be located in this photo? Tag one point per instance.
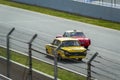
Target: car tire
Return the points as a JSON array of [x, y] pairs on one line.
[[79, 59], [47, 51], [86, 47], [47, 54], [59, 58]]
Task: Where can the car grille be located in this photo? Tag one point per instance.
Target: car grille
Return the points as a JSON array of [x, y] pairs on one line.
[[76, 54]]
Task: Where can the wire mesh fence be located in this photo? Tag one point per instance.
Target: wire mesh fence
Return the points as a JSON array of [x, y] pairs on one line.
[[19, 42]]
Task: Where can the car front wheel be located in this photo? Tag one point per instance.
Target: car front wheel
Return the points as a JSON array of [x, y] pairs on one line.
[[79, 59], [59, 58], [46, 50]]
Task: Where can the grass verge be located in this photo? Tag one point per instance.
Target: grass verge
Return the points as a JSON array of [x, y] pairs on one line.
[[99, 22], [41, 66]]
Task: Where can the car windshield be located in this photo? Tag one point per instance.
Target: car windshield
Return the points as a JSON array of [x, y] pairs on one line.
[[81, 34], [70, 43]]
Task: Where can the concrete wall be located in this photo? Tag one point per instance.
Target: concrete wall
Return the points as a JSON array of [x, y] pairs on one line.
[[17, 72], [85, 9]]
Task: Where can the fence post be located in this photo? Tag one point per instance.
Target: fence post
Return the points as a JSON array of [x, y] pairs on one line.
[[89, 66], [55, 62], [8, 51], [30, 57]]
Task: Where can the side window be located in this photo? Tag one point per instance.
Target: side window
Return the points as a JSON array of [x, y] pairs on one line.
[[72, 34], [53, 43], [56, 42], [65, 34]]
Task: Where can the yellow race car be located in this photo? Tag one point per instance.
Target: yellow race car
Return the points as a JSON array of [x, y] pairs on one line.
[[69, 48]]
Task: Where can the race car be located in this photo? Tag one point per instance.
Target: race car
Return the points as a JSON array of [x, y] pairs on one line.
[[69, 48], [84, 41]]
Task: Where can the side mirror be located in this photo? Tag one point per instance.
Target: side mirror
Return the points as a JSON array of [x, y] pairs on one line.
[[51, 43]]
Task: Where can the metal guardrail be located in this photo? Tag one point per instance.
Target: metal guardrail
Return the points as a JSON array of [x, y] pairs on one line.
[[2, 77], [110, 3], [23, 72]]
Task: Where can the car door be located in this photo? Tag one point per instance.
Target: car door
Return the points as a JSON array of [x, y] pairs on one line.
[[53, 46]]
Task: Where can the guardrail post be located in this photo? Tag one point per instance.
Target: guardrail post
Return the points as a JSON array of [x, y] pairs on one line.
[[102, 2], [89, 66], [8, 51], [30, 57], [114, 2]]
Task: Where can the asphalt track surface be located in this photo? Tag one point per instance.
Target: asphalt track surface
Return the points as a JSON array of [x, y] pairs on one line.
[[104, 41]]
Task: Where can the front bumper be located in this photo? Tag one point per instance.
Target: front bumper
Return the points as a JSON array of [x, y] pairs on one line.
[[74, 55]]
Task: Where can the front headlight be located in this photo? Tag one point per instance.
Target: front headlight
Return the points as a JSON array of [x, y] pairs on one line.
[[66, 53], [85, 52]]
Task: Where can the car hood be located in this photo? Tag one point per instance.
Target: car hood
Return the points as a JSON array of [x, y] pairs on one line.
[[74, 49]]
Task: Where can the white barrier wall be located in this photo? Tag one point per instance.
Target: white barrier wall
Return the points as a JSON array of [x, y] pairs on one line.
[[85, 9]]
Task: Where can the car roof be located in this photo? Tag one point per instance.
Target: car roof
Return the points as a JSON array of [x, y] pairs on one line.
[[65, 39], [73, 31]]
